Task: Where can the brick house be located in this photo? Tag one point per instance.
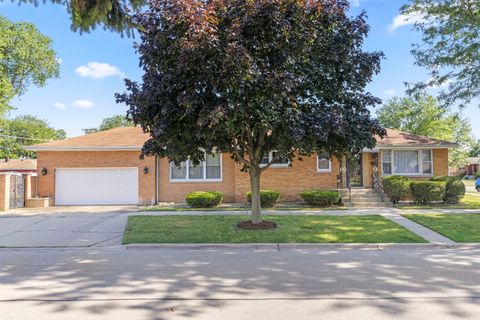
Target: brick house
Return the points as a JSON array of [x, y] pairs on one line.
[[104, 168]]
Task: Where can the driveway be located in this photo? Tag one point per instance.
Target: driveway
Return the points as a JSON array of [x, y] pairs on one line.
[[64, 227]]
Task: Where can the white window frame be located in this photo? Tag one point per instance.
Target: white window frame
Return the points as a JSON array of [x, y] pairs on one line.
[[419, 158], [187, 173], [329, 170], [275, 165]]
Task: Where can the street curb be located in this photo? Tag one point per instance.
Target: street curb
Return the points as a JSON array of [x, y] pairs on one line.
[[301, 246]]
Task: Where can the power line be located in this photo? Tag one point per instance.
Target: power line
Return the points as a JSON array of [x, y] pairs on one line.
[[25, 138]]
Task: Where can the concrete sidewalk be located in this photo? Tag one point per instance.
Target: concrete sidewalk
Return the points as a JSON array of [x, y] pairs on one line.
[[104, 226]]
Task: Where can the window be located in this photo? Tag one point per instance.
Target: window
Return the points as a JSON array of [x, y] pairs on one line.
[[273, 155], [387, 161], [324, 163], [407, 162], [208, 170], [427, 162]]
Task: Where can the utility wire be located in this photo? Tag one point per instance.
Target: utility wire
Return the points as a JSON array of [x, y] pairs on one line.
[[25, 138]]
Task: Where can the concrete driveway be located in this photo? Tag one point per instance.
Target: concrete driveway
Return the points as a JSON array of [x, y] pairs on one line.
[[64, 227]]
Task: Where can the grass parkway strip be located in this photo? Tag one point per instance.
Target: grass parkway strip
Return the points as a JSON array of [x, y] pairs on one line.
[[291, 229], [458, 227]]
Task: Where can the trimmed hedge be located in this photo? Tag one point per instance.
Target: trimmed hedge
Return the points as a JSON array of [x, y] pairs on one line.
[[320, 197], [204, 199], [454, 189], [267, 198], [396, 187], [428, 191], [477, 175]]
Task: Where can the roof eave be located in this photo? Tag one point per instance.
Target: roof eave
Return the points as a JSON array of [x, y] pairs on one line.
[[86, 148], [417, 146]]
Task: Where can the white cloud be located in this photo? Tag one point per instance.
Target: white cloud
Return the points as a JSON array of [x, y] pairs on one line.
[[402, 20], [82, 104], [59, 106], [98, 70], [355, 3], [389, 92]]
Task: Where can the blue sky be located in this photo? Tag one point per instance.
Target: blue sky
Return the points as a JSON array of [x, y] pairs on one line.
[[93, 65]]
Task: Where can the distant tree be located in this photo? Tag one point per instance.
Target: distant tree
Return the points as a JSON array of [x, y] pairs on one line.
[[115, 121], [450, 47], [248, 77], [26, 57], [421, 114], [86, 15], [475, 150], [23, 131]]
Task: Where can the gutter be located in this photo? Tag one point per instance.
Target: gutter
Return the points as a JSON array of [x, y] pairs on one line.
[[45, 148]]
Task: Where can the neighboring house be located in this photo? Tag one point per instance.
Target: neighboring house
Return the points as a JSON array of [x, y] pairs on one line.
[[472, 167], [23, 166], [104, 168]]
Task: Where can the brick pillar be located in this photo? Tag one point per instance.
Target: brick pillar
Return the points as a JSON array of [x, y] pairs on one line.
[[4, 192], [28, 185], [343, 171]]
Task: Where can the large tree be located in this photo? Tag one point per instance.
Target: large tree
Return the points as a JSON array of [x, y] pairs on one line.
[[86, 15], [421, 114], [450, 47], [248, 77], [26, 57], [24, 131]]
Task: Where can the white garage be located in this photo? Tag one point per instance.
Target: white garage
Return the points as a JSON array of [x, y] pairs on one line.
[[96, 186]]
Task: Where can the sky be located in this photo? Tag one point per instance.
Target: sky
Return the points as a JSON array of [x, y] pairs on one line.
[[93, 65]]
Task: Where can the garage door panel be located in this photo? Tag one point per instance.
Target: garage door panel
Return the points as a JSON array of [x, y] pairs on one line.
[[96, 186]]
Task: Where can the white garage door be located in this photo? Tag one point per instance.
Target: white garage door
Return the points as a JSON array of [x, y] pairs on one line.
[[100, 186]]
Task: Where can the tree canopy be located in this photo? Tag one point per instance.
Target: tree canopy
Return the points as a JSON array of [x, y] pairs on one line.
[[26, 57], [24, 131], [86, 15], [421, 114], [247, 77], [115, 121], [450, 47]]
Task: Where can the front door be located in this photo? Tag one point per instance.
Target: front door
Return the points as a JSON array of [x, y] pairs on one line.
[[17, 191], [354, 170]]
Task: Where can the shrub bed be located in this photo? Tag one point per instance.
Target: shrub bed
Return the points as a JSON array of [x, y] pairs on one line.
[[428, 191], [454, 189], [267, 198], [204, 199], [320, 197], [396, 187]]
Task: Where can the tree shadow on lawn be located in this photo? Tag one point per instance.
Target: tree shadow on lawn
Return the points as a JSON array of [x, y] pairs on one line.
[[192, 281]]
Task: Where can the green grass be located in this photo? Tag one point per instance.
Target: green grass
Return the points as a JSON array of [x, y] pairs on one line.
[[291, 229], [458, 227], [468, 202], [240, 209]]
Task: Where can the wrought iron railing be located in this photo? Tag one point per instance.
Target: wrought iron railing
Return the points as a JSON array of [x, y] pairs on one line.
[[377, 185]]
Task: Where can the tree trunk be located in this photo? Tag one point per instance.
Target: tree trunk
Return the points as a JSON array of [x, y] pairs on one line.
[[255, 188]]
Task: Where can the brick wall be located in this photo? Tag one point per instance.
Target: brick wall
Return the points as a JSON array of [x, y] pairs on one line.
[[83, 159], [176, 191], [290, 181]]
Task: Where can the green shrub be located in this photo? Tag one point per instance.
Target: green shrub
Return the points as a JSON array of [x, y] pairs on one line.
[[477, 175], [267, 198], [428, 191], [396, 187], [454, 189], [204, 199], [320, 197]]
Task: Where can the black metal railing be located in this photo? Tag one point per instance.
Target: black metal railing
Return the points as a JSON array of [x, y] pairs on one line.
[[377, 185]]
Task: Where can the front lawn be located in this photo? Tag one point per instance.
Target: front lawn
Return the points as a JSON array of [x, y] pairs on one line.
[[291, 229], [470, 201], [458, 227]]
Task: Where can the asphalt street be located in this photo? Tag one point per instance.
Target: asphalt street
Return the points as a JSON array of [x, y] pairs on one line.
[[116, 283]]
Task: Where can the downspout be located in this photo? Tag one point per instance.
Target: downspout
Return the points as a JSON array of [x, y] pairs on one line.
[[156, 179]]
